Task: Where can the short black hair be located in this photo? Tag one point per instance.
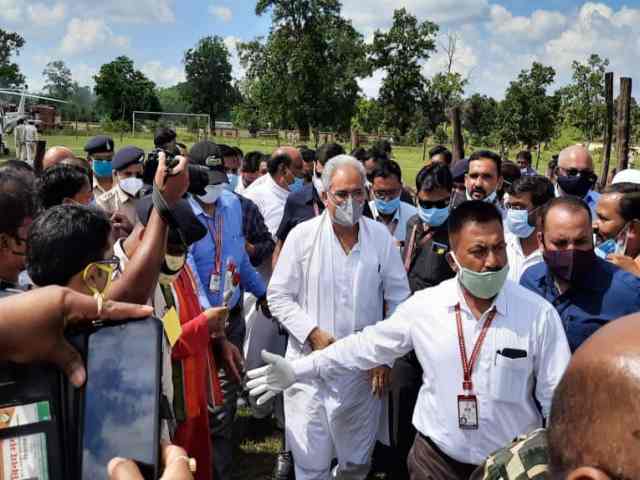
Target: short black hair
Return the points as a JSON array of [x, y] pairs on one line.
[[386, 170], [434, 176], [441, 150], [540, 188], [59, 182], [238, 151], [327, 151], [472, 211], [487, 155], [308, 155], [524, 155], [629, 207], [274, 163], [569, 202], [227, 151], [251, 162], [510, 171], [63, 241], [17, 201], [361, 154], [164, 135], [383, 146], [17, 165]]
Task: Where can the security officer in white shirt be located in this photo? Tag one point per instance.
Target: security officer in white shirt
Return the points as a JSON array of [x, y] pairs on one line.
[[526, 197], [491, 353]]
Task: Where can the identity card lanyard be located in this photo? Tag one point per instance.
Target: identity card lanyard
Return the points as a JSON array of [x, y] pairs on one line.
[[214, 281], [468, 402]]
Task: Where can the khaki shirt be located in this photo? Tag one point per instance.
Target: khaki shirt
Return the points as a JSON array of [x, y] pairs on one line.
[[116, 200], [97, 189]]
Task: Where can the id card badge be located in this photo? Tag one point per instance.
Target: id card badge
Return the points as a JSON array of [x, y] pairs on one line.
[[468, 412], [214, 282]]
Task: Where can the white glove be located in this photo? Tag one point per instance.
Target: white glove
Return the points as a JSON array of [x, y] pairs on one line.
[[270, 380]]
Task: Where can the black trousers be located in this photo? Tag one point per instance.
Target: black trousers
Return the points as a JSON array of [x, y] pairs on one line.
[[427, 462]]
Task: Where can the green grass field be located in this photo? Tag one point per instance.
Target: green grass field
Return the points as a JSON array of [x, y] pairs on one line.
[[410, 158]]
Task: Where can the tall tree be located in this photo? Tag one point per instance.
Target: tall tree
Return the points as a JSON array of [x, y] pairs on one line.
[[583, 100], [58, 81], [304, 74], [10, 45], [399, 52], [369, 116], [174, 99], [208, 72], [121, 89], [479, 118], [527, 114]]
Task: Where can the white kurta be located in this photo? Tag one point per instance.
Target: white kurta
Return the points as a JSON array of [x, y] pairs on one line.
[[270, 199], [315, 284], [507, 389], [518, 261]]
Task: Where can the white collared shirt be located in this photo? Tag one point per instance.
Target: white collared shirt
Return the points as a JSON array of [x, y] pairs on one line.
[[518, 261], [398, 225], [506, 389], [270, 199]]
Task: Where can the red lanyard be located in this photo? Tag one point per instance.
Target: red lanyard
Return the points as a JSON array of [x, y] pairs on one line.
[[217, 241], [467, 365]]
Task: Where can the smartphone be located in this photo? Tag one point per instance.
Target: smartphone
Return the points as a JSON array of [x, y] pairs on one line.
[[121, 404]]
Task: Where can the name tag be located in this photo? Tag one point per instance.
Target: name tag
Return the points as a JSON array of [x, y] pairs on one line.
[[214, 282], [468, 412]]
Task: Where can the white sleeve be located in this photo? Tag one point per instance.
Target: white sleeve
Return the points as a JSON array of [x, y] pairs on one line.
[[395, 284], [282, 292], [552, 355], [376, 345]]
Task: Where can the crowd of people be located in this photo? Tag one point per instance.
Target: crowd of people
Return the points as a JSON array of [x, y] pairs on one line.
[[447, 329]]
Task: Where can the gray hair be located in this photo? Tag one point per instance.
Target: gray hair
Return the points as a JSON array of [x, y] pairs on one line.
[[338, 162]]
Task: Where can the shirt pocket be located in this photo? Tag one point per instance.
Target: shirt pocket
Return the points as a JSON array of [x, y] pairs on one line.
[[509, 378]]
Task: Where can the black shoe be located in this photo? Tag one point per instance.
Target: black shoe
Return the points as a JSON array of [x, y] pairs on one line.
[[284, 467]]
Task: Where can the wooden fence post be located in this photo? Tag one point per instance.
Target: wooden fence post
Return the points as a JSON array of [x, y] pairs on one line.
[[624, 123], [608, 128]]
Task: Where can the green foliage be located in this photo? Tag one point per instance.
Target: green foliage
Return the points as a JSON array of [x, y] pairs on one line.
[[174, 99], [443, 92], [399, 52], [479, 118], [528, 115], [304, 73], [583, 102], [208, 70], [10, 45], [121, 89], [58, 81], [369, 116]]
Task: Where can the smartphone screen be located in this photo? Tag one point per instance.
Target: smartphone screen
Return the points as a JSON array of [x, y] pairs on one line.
[[122, 398]]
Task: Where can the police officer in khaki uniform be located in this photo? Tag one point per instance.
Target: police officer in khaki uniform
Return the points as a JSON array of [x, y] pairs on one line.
[[99, 154], [127, 167]]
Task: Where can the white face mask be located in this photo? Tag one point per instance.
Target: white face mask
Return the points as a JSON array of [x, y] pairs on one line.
[[213, 193], [131, 186], [318, 185], [171, 268]]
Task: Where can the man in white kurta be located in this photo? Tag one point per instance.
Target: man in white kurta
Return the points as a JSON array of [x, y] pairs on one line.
[[460, 417], [333, 280]]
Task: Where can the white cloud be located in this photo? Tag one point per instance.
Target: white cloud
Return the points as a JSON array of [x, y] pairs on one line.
[[223, 13], [464, 62], [87, 35], [542, 24], [231, 43], [162, 75], [11, 10], [127, 11], [41, 15]]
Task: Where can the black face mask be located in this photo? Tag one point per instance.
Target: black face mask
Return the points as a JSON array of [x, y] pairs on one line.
[[572, 266], [577, 185]]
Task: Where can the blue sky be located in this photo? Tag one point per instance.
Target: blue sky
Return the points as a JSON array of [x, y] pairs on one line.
[[496, 39]]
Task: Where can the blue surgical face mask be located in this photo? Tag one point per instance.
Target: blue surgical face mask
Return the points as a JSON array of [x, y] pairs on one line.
[[102, 168], [233, 180], [433, 216], [491, 198], [297, 185], [616, 245], [387, 207], [518, 223]]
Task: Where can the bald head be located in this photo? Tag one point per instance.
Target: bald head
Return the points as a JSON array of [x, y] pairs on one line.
[[56, 155], [575, 157], [595, 415], [294, 154]]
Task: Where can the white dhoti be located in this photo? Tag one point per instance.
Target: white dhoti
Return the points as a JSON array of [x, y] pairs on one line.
[[316, 284]]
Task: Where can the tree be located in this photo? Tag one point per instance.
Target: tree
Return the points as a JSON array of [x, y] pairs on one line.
[[305, 73], [10, 45], [479, 118], [527, 114], [583, 100], [174, 99], [58, 81], [208, 72], [399, 52], [369, 116], [121, 89]]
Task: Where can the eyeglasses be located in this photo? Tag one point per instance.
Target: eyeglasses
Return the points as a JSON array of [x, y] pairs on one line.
[[343, 195], [426, 204], [573, 172], [386, 194]]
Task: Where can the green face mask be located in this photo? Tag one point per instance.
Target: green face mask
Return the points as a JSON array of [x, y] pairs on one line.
[[481, 284]]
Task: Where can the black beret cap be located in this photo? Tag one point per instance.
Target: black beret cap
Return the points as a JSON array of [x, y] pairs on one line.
[[459, 169], [128, 156], [209, 154], [191, 228], [99, 144], [163, 136]]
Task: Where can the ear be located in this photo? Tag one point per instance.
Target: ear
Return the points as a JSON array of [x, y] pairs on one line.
[[4, 240], [588, 473], [452, 263]]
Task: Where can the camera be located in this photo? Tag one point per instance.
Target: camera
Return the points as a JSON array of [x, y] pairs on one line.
[[170, 156]]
